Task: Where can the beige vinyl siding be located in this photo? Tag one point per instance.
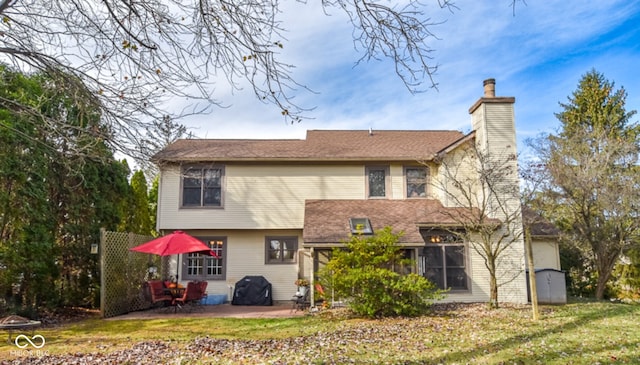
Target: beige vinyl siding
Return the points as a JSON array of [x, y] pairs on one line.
[[495, 127], [261, 197], [397, 182], [511, 268], [497, 138], [511, 278], [546, 254], [461, 169], [514, 291], [479, 281], [512, 275], [479, 126], [246, 257], [500, 128], [161, 198]]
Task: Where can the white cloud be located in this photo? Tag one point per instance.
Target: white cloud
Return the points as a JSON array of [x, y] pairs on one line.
[[538, 56]]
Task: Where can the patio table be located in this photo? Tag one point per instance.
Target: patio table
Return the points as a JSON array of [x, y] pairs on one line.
[[176, 292]]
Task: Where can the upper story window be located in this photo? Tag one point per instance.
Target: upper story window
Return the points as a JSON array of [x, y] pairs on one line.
[[202, 186], [417, 181], [377, 181]]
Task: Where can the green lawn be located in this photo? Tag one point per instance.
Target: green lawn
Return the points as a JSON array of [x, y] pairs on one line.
[[580, 333]]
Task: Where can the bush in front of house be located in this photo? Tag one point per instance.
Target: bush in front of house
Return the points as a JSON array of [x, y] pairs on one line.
[[373, 275]]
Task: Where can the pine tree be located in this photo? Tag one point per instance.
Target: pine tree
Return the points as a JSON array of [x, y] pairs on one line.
[[594, 177]]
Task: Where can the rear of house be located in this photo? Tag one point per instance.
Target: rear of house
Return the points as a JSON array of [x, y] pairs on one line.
[[276, 208]]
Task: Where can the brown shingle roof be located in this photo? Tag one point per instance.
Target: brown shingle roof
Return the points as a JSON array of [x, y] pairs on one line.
[[327, 221], [539, 226], [320, 145]]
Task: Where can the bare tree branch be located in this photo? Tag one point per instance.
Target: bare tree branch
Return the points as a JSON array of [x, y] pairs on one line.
[[135, 57]]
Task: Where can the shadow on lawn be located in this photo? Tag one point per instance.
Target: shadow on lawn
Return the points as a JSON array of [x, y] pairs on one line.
[[568, 351]]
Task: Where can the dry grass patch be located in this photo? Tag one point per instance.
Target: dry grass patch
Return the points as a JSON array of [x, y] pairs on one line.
[[584, 333]]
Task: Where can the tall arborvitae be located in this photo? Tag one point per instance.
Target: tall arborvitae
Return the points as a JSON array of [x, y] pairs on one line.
[[58, 190]]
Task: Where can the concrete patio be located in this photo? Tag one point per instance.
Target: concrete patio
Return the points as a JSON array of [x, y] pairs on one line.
[[278, 310]]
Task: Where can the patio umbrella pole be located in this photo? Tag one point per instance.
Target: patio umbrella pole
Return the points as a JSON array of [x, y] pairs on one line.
[[312, 287]]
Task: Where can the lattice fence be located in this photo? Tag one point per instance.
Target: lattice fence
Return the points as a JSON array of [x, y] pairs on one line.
[[123, 273]]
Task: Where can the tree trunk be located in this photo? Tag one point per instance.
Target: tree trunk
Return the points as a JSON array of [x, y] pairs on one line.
[[604, 266], [600, 287], [493, 299], [493, 280], [604, 275]]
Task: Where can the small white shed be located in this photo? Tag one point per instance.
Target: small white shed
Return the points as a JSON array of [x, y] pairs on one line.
[[551, 286]]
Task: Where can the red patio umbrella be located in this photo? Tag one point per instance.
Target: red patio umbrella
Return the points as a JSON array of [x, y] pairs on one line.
[[173, 244]]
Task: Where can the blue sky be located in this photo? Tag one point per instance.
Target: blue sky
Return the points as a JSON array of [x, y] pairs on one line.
[[538, 56]]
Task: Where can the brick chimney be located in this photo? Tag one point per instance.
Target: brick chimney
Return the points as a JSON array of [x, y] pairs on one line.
[[489, 88]]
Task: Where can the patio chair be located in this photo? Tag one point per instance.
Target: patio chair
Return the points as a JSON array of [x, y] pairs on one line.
[[191, 295], [197, 299], [202, 291], [157, 293], [301, 302]]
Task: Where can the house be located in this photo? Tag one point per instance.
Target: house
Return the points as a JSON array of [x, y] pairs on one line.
[[275, 208]]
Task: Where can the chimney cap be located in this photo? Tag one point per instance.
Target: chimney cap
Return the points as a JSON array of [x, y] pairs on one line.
[[489, 81], [490, 97]]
